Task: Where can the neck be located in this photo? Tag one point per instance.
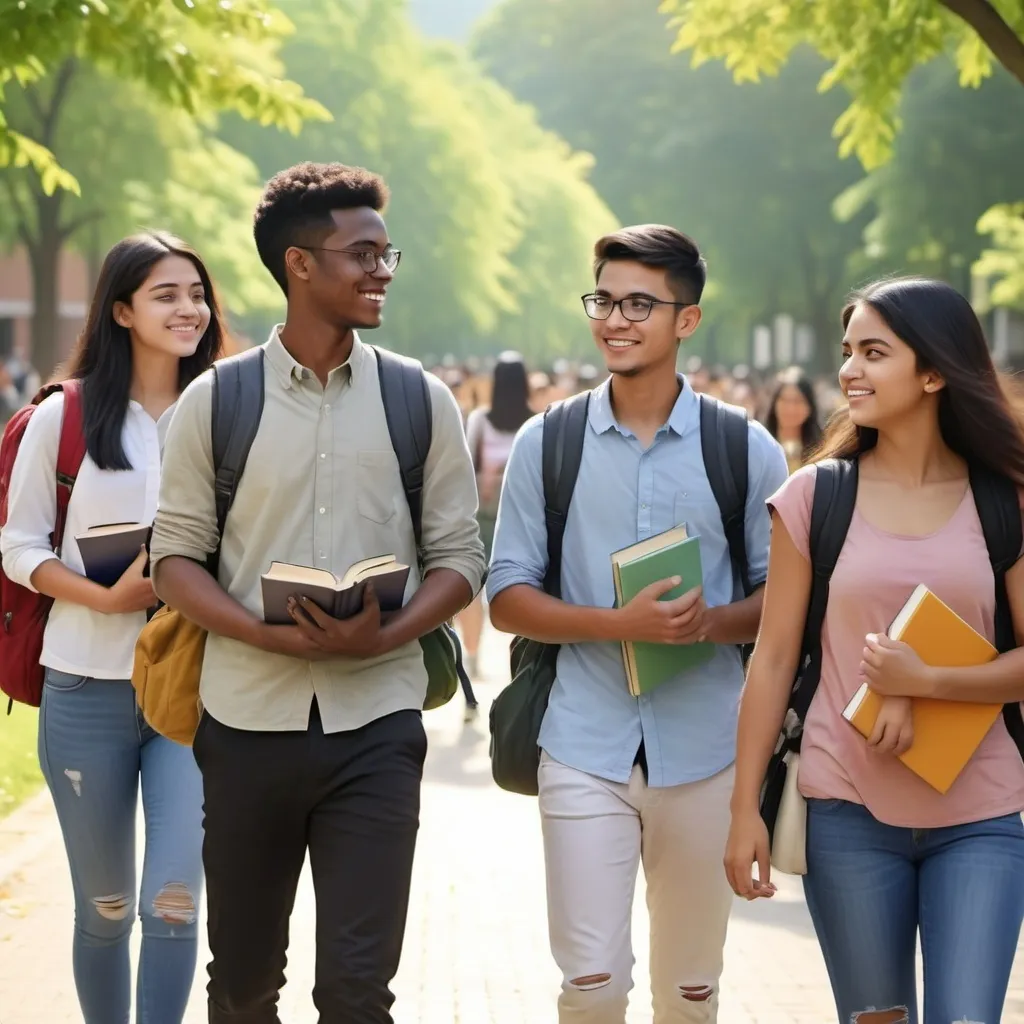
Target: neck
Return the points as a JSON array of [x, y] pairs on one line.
[[912, 453], [154, 379], [788, 434], [315, 344], [645, 401]]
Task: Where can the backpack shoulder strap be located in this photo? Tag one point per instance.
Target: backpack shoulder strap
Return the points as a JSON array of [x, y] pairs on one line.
[[995, 497], [724, 433], [835, 496], [565, 428], [70, 453], [407, 407], [238, 395]]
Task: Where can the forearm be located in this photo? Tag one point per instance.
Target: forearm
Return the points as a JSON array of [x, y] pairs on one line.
[[999, 682], [735, 623], [762, 713], [187, 587], [440, 597], [54, 579], [530, 612]]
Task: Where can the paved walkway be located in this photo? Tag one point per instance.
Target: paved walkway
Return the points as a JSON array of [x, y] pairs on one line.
[[476, 948]]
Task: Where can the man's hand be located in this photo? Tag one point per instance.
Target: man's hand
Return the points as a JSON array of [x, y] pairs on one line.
[[288, 640], [356, 637], [647, 619]]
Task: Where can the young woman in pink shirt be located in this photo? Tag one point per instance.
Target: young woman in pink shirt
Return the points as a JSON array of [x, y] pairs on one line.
[[888, 857]]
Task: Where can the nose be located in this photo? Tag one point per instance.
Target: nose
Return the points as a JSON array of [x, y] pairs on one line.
[[617, 319], [381, 273], [188, 308]]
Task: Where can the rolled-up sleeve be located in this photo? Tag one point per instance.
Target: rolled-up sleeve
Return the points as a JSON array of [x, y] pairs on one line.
[[186, 519], [766, 472], [520, 553], [32, 497], [451, 536]]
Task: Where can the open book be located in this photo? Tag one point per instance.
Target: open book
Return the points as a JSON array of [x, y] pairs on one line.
[[338, 597], [109, 549]]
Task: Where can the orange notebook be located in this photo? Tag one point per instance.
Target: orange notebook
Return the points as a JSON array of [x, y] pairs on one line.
[[946, 732]]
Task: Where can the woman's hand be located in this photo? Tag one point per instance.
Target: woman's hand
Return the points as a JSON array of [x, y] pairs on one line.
[[133, 592], [748, 845], [893, 669], [894, 727]]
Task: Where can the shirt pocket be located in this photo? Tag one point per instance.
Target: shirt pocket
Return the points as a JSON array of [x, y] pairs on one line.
[[377, 482], [696, 508]]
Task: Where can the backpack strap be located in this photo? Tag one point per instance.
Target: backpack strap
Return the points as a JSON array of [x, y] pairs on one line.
[[565, 429], [724, 434], [995, 497], [407, 407], [238, 396], [70, 453], [835, 496]]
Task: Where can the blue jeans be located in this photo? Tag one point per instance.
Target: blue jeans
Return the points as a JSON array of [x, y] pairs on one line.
[[870, 887], [93, 747]]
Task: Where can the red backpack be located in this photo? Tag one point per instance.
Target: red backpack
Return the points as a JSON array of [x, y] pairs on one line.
[[23, 611]]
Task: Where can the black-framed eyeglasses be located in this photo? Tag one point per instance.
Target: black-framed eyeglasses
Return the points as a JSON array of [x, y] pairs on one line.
[[634, 308], [368, 259]]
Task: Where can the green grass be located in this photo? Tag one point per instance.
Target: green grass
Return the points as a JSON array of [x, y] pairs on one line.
[[20, 777]]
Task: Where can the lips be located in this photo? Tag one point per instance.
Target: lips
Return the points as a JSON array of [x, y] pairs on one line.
[[852, 394], [184, 329], [620, 344], [377, 297]]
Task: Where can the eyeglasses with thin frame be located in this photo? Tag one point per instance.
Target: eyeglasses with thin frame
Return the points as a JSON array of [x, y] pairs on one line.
[[368, 259], [634, 308]]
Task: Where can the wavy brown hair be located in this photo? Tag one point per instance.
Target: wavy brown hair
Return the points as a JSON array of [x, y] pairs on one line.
[[979, 408]]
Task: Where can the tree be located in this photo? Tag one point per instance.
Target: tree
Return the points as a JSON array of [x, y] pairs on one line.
[[195, 55], [101, 86], [872, 47], [751, 174]]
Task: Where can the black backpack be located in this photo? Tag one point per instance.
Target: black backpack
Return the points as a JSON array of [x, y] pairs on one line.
[[518, 711], [238, 397], [835, 495]]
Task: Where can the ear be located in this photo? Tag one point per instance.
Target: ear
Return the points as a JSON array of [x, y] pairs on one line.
[[298, 262], [933, 383], [122, 313], [688, 321]]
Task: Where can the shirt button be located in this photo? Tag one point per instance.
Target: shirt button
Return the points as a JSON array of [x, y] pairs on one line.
[[327, 408], [323, 455], [644, 505], [322, 510], [322, 555]]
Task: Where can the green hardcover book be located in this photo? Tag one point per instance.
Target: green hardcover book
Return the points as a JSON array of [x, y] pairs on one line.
[[668, 554]]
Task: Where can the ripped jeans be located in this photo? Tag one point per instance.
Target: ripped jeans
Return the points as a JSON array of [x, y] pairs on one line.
[[94, 747], [871, 887]]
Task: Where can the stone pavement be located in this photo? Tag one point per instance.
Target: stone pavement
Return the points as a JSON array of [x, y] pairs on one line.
[[476, 947]]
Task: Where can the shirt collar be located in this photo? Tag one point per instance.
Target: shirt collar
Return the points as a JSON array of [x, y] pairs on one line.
[[290, 371], [680, 419]]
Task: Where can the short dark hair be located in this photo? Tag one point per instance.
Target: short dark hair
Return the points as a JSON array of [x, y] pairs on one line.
[[297, 203], [657, 245]]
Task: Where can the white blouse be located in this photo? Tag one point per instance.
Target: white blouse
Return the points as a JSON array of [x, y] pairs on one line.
[[79, 640]]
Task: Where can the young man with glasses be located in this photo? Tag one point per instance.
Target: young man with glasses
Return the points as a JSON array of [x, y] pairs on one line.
[[626, 780], [311, 737]]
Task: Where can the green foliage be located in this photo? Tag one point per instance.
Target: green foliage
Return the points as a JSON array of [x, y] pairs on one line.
[[197, 56], [1004, 261]]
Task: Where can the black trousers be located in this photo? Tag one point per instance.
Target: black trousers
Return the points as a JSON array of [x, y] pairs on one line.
[[352, 799]]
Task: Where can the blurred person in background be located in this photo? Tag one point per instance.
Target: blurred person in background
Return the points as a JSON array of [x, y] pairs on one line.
[[490, 433], [792, 416]]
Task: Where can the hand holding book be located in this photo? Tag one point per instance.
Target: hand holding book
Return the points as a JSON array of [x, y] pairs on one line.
[[357, 636], [649, 619]]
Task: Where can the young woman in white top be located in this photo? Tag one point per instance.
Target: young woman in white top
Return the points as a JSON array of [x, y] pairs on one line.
[[153, 326], [490, 433]]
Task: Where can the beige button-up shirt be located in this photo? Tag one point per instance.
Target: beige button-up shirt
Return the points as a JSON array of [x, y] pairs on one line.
[[322, 488]]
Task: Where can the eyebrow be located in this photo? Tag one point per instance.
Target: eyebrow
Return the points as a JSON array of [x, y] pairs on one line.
[[369, 243], [631, 295], [864, 342], [174, 284]]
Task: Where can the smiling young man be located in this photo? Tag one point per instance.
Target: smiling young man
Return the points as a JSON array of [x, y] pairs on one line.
[[624, 780], [311, 736]]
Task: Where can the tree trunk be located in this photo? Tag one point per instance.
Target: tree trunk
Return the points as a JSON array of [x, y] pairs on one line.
[[45, 258]]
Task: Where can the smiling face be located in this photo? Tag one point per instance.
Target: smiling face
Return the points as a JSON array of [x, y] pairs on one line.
[[880, 376], [631, 348], [337, 286], [169, 312]]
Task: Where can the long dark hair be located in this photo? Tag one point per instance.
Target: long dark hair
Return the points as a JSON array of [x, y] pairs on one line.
[[102, 357], [979, 416], [810, 432], [510, 393]]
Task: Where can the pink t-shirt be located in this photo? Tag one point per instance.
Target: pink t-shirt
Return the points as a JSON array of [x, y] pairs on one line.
[[875, 574]]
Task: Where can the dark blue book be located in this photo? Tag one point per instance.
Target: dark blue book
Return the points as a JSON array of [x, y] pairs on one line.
[[109, 549]]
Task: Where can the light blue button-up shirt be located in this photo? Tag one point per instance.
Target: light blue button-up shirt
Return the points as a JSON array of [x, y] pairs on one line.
[[625, 494]]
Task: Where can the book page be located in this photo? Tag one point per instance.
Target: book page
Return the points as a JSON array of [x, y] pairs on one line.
[[289, 573]]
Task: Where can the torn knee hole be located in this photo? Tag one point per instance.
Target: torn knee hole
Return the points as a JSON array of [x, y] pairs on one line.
[[893, 1015], [113, 908], [696, 993], [174, 904], [591, 981]]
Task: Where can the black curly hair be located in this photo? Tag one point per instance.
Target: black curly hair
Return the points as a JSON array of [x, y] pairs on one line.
[[297, 203]]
